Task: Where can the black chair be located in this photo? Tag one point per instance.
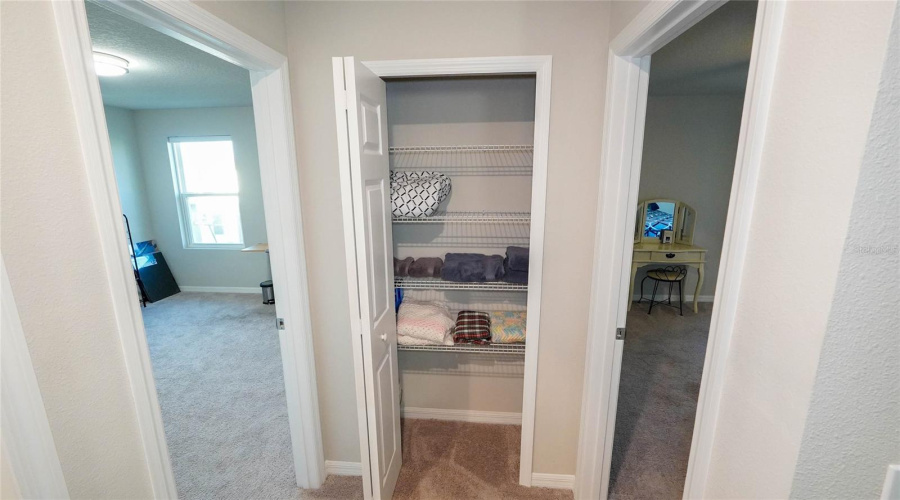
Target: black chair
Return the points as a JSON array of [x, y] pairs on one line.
[[670, 275]]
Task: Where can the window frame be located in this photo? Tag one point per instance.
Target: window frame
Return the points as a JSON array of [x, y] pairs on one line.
[[182, 195]]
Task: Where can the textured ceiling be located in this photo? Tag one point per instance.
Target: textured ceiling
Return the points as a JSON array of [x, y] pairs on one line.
[[713, 57], [164, 73]]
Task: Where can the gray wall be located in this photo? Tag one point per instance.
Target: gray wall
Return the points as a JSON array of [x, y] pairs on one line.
[[575, 34], [203, 267], [690, 144], [129, 174], [853, 428]]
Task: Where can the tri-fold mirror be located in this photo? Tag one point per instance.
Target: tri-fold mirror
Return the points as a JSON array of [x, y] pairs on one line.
[[658, 215]]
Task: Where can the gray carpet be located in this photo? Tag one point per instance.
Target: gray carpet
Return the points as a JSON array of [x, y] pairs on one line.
[[217, 365], [662, 365]]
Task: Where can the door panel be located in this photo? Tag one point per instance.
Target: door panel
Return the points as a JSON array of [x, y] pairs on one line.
[[366, 198]]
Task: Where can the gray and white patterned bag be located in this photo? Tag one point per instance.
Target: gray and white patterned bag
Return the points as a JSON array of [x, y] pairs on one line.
[[417, 194]]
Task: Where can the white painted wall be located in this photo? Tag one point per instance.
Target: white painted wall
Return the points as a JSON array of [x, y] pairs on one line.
[[50, 243], [830, 62], [203, 267], [690, 144], [852, 429], [129, 174], [575, 35]]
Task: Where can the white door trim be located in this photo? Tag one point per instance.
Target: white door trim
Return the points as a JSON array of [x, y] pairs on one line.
[[541, 67], [627, 87], [26, 436], [278, 170]]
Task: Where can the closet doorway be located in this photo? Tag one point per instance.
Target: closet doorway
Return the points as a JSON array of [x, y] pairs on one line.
[[481, 163]]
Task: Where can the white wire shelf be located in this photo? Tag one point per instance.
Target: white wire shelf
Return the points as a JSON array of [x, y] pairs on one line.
[[462, 160], [469, 218], [517, 349], [439, 284]]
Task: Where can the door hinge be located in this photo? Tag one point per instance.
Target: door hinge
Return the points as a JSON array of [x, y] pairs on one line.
[[620, 334], [279, 323]]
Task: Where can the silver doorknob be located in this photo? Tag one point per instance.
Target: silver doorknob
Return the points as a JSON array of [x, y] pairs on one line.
[[384, 337]]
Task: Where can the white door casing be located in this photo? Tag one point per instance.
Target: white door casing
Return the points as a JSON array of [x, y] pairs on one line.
[[361, 100]]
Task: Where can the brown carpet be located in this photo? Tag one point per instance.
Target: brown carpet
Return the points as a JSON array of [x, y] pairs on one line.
[[451, 460], [662, 364]]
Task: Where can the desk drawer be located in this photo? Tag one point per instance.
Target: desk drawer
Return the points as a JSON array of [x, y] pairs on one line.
[[677, 256], [641, 256]]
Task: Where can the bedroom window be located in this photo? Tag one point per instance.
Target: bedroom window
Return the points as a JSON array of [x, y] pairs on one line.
[[206, 186]]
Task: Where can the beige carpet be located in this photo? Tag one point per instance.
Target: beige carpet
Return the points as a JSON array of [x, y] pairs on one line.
[[451, 460]]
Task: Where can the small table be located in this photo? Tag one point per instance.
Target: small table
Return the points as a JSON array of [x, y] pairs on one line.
[[647, 253], [259, 247]]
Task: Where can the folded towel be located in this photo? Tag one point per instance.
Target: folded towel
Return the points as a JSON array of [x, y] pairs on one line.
[[517, 258], [401, 267], [516, 277], [426, 267], [472, 327], [507, 327], [472, 267], [463, 267], [493, 268], [424, 321]]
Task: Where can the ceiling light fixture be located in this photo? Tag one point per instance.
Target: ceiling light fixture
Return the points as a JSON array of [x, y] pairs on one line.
[[109, 65]]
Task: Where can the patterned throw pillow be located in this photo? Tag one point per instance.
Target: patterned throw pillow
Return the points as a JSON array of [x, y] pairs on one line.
[[417, 194], [507, 327], [472, 327]]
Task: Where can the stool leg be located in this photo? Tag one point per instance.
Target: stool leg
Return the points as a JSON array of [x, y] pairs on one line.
[[642, 290], [680, 298], [671, 284], [653, 298]]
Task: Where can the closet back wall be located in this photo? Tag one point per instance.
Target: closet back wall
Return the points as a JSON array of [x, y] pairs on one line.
[[229, 268], [575, 34]]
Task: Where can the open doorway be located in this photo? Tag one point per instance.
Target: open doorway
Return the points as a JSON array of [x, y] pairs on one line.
[[187, 161], [692, 127]]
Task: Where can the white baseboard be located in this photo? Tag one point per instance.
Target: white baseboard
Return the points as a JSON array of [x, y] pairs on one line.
[[558, 481], [483, 417], [343, 468], [222, 289]]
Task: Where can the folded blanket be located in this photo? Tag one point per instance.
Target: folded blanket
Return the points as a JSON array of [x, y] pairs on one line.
[[401, 267], [472, 267], [507, 327], [517, 258], [423, 321], [404, 340], [472, 327], [516, 277], [426, 267]]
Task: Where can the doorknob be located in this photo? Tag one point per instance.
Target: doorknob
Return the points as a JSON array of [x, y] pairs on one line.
[[384, 337]]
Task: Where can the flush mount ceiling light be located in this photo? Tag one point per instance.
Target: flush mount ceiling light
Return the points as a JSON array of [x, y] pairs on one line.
[[109, 65]]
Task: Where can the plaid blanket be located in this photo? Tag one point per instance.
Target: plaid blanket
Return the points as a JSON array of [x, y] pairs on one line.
[[472, 327]]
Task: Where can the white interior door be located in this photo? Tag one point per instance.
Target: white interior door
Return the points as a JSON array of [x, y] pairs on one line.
[[361, 103]]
